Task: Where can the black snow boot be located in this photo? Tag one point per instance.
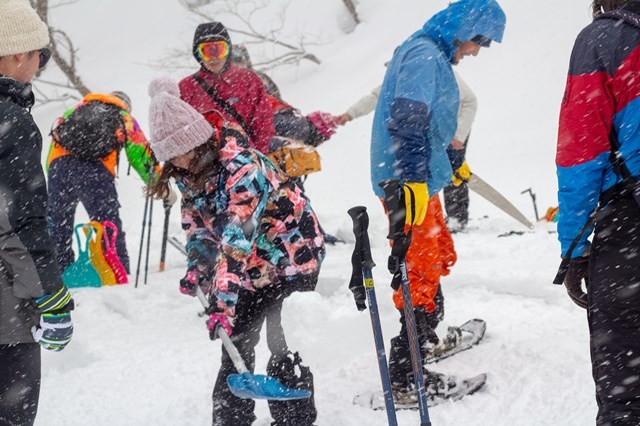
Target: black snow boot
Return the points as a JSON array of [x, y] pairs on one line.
[[288, 368]]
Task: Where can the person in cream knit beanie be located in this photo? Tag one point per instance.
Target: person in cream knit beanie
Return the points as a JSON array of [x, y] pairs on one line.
[[176, 128], [21, 29], [35, 304]]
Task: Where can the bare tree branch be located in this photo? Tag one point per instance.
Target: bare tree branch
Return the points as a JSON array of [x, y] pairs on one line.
[[62, 3], [68, 67], [351, 7], [61, 43], [285, 59], [244, 11], [55, 84], [43, 98]]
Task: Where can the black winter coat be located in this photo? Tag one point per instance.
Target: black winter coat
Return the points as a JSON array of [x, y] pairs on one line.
[[28, 267]]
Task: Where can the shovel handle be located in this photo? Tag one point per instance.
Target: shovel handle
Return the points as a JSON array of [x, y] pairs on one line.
[[202, 298], [237, 360]]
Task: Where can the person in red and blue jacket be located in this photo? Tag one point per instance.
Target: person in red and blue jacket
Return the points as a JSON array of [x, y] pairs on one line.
[[414, 124], [600, 115]]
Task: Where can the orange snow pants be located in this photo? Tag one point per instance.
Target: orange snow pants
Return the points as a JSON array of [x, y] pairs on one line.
[[430, 256]]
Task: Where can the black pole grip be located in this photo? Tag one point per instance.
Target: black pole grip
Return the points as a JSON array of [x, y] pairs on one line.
[[359, 259], [394, 201], [360, 219]]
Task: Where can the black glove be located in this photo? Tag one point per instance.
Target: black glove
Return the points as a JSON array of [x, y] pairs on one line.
[[578, 271]]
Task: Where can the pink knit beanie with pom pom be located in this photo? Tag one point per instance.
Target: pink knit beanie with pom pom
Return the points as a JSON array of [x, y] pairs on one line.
[[176, 128]]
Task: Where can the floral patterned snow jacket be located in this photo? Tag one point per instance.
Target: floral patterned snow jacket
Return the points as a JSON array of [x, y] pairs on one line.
[[249, 228]]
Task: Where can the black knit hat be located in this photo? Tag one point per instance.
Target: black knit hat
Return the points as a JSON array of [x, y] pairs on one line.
[[211, 31]]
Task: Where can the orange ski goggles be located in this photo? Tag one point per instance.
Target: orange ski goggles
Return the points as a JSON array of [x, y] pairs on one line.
[[213, 50]]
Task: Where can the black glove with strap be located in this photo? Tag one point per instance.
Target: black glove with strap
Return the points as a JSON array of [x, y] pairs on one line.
[[577, 272]]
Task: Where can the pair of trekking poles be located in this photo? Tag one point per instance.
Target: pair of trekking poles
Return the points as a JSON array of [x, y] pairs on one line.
[[363, 289], [147, 222], [147, 219]]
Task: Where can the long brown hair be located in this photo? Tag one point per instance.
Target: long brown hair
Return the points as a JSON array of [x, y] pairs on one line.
[[603, 6], [204, 164]]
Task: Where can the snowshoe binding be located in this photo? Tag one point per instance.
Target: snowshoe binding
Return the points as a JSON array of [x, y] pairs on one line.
[[458, 339]]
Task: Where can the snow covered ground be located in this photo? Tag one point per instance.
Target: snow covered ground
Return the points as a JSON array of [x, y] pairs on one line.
[[142, 356]]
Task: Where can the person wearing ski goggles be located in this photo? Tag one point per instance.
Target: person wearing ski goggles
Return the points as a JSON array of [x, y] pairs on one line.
[[221, 88]]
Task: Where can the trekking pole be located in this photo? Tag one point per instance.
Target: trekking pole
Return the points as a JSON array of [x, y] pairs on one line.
[[533, 199], [165, 234], [362, 262], [395, 203], [144, 224], [146, 264]]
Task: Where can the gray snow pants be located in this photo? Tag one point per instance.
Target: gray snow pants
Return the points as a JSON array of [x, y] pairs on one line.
[[19, 383]]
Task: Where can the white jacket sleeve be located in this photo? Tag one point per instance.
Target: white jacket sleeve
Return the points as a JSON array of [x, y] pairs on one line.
[[365, 105], [467, 111]]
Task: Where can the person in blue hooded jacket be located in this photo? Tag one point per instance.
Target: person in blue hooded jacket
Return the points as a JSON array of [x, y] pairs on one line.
[[414, 124]]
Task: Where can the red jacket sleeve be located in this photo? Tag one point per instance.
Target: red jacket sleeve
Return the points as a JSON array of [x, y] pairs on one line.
[[262, 118]]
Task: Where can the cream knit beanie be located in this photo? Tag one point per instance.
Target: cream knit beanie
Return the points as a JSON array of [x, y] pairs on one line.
[[176, 128], [21, 29]]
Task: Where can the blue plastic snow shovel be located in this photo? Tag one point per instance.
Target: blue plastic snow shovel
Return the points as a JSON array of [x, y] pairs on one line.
[[245, 384]]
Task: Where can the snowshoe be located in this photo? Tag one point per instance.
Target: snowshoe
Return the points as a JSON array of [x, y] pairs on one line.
[[440, 388], [458, 339]]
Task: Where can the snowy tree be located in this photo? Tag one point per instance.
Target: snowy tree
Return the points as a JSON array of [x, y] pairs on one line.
[[284, 49]]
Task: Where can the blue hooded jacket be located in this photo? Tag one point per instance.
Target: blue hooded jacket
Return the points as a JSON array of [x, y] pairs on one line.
[[416, 115]]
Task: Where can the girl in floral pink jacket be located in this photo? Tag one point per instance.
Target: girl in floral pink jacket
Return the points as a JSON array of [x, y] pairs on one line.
[[252, 237]]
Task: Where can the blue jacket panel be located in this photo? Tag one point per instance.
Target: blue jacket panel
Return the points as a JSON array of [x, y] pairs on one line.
[[416, 117]]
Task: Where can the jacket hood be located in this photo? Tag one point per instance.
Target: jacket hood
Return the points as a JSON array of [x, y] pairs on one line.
[[630, 13], [464, 20], [16, 92], [211, 31], [106, 99]]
